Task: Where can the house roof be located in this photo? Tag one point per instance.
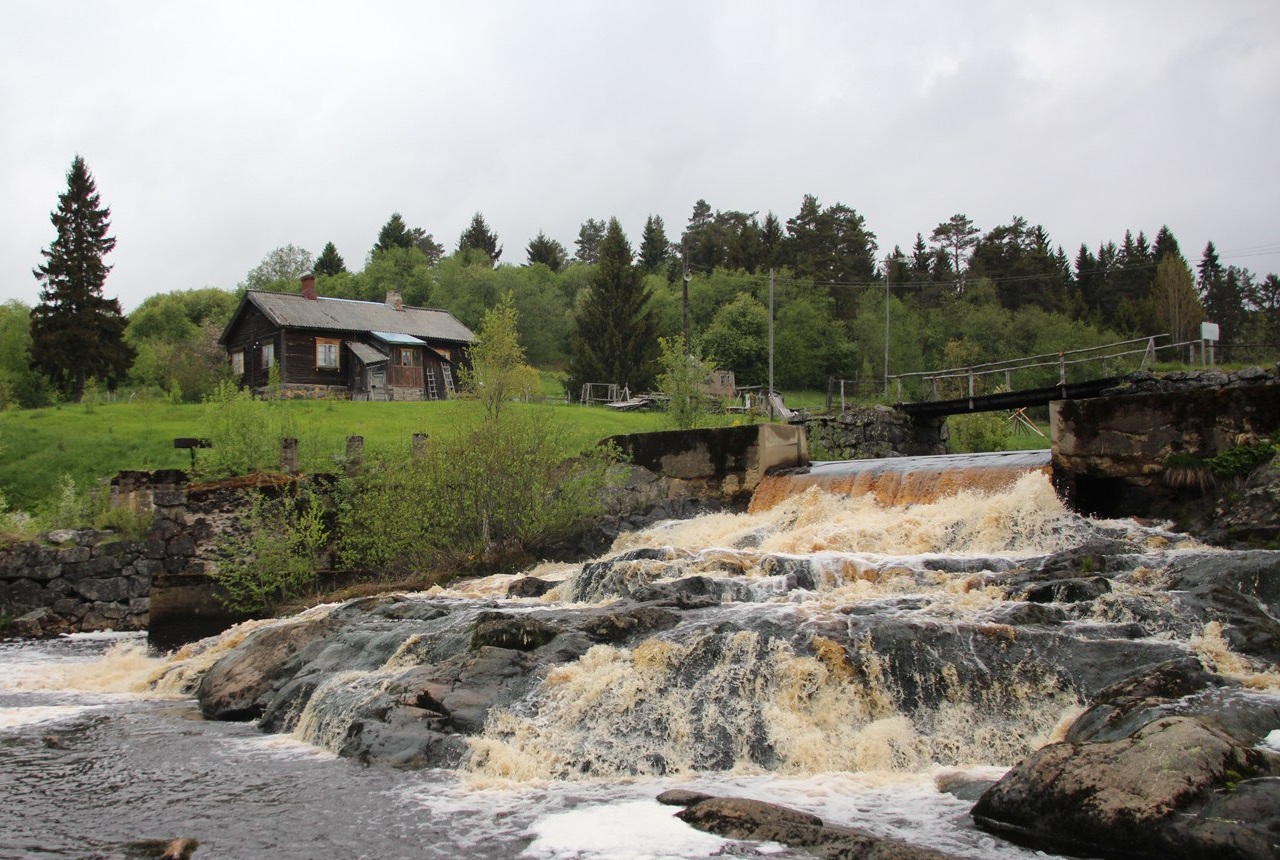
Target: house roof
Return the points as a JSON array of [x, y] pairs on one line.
[[367, 354], [294, 310]]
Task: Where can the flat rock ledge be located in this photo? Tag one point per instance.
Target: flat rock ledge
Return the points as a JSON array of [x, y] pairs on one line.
[[758, 821]]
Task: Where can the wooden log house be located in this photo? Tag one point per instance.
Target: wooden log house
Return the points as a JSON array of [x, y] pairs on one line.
[[345, 348]]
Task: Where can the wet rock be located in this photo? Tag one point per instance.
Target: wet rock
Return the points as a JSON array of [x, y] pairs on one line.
[[756, 820], [963, 785], [1098, 555], [693, 592], [521, 632], [161, 849], [1251, 514], [1162, 765], [682, 797], [621, 575], [240, 685], [1074, 590], [32, 624], [529, 586]]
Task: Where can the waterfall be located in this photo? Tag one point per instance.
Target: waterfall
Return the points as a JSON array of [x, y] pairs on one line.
[[904, 480]]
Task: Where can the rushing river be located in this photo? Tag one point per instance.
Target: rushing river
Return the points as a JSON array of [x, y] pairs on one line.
[[134, 766], [100, 748]]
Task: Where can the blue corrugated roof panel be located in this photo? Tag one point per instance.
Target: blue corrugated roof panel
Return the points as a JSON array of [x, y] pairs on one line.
[[395, 337]]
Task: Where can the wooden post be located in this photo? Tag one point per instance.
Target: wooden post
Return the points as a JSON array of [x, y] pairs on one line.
[[355, 455], [289, 455], [419, 445]]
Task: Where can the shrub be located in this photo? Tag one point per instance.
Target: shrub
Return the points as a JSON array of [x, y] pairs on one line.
[[245, 431], [489, 494], [1240, 460], [274, 557], [681, 376], [980, 431]]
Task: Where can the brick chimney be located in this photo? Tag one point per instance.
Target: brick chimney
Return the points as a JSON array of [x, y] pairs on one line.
[[309, 287], [394, 301]]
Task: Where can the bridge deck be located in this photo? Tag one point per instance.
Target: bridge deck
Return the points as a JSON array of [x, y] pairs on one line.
[[1009, 399]]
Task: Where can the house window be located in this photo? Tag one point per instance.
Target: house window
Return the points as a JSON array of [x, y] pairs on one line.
[[268, 355], [327, 353], [410, 358], [237, 362]]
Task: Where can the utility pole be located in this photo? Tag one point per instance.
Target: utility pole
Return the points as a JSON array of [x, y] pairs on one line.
[[771, 343], [684, 307], [888, 269]]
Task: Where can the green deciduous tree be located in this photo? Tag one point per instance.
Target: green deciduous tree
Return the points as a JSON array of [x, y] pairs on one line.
[[280, 270], [176, 338], [20, 386], [77, 334], [498, 372], [615, 332], [739, 339], [405, 269], [680, 380], [1175, 303]]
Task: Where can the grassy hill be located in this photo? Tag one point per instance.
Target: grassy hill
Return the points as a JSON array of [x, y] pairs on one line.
[[92, 442]]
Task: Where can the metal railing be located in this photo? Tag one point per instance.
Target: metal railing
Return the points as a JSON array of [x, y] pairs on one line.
[[1036, 371]]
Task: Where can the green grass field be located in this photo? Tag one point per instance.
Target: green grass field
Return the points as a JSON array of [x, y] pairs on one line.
[[39, 446]]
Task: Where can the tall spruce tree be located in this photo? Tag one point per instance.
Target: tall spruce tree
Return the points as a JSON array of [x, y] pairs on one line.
[[615, 336], [655, 249], [479, 237], [330, 262], [547, 251], [76, 333]]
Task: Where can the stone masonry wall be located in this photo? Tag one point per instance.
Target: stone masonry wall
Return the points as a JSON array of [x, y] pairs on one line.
[[869, 432], [79, 580]]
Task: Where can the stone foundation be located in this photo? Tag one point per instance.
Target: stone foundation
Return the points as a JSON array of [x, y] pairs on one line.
[[1110, 453]]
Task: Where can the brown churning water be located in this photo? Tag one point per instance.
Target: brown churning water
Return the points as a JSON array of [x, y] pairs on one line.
[[896, 481]]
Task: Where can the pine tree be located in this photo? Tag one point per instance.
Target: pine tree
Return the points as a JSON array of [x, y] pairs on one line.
[[655, 250], [615, 332], [958, 237], [479, 237], [76, 333], [330, 261], [546, 251]]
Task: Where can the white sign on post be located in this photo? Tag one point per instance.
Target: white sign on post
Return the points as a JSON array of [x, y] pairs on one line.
[[1208, 331]]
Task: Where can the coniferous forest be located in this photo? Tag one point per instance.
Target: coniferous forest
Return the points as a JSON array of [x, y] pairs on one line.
[[594, 306]]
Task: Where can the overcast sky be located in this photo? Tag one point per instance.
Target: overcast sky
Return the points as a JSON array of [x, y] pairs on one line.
[[220, 131]]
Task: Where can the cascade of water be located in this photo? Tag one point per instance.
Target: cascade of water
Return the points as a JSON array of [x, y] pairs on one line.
[[904, 480]]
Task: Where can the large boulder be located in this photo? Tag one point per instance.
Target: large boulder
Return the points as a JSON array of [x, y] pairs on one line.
[[1163, 765]]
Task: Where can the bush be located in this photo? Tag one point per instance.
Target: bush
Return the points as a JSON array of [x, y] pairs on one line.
[[486, 495], [274, 558], [980, 431], [246, 431]]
